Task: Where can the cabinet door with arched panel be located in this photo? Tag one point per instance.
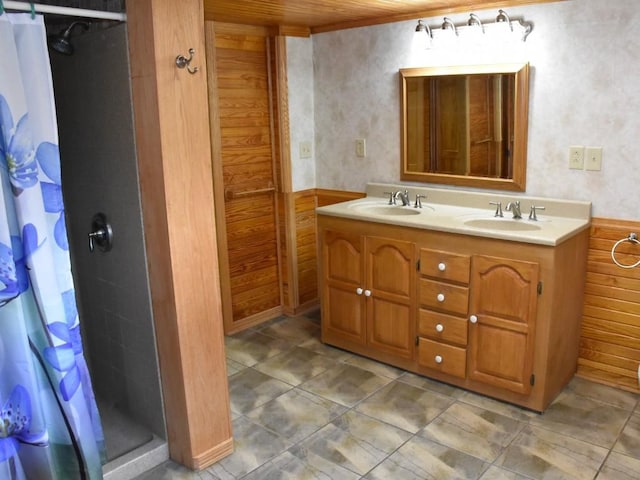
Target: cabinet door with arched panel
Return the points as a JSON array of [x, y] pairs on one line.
[[502, 314], [390, 276], [343, 292]]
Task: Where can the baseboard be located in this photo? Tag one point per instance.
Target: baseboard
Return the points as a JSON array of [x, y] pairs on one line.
[[213, 455]]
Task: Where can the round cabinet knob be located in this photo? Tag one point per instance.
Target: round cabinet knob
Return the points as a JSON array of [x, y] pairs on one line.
[[359, 291], [439, 327], [440, 297], [438, 359], [442, 267], [473, 319], [367, 293]]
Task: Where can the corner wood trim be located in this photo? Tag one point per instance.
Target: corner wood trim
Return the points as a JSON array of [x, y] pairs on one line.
[[212, 455]]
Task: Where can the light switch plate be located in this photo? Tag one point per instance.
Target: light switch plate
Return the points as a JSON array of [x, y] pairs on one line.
[[305, 149], [593, 158]]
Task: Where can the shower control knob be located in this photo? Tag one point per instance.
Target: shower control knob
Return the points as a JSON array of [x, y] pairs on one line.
[[101, 233]]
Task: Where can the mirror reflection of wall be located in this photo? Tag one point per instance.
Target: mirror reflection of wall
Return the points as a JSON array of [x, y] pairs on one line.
[[461, 124], [465, 124]]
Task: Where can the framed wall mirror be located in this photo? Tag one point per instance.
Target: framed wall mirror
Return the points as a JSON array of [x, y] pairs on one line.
[[465, 125]]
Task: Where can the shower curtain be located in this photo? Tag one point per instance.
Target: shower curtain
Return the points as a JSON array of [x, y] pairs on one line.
[[49, 423]]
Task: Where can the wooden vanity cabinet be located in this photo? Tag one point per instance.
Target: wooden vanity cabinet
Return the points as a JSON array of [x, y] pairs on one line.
[[368, 299], [496, 317]]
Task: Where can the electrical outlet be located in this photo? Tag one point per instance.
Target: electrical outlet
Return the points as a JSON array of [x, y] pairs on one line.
[[576, 157], [361, 147], [593, 158], [305, 149]]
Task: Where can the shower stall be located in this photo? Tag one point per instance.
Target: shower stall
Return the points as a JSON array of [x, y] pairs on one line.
[[99, 175]]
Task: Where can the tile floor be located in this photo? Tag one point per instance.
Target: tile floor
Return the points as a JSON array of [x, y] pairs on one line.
[[304, 410]]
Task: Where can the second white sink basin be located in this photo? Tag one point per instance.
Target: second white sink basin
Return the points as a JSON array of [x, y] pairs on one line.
[[502, 224]]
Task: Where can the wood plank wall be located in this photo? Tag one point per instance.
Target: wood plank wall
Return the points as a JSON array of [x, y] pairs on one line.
[[305, 203], [610, 338]]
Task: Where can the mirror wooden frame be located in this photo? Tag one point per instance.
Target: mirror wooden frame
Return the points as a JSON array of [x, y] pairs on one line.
[[521, 114]]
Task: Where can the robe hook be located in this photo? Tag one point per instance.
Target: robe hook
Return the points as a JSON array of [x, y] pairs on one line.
[[184, 62]]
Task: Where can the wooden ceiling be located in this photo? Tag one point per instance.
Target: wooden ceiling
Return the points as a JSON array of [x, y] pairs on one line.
[[303, 17]]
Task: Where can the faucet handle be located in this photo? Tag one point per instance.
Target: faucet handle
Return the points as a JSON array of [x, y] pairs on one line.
[[392, 197], [498, 209], [419, 198], [532, 213]]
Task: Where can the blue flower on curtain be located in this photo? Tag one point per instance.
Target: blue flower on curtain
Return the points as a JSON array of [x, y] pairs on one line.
[[15, 419], [16, 149], [48, 156], [14, 278], [63, 357]]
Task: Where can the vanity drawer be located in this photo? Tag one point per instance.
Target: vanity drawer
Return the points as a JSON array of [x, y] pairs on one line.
[[444, 358], [445, 265], [442, 327], [443, 296]]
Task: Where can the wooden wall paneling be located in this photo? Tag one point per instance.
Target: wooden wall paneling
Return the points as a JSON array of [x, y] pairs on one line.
[[285, 251], [329, 197], [244, 172], [306, 233], [174, 160], [216, 167], [610, 335]]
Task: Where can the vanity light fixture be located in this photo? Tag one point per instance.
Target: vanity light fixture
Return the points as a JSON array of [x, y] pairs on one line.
[[503, 17], [503, 27], [474, 21], [423, 35], [448, 24], [423, 27]]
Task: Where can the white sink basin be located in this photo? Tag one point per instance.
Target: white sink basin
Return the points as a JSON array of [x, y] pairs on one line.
[[503, 224], [388, 210]]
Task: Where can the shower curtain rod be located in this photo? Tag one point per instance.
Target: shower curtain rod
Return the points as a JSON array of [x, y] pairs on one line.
[[69, 11]]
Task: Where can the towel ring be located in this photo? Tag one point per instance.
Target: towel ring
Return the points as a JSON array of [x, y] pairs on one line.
[[632, 238]]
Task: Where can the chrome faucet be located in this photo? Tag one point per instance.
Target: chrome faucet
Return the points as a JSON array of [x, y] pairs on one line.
[[404, 196], [514, 207]]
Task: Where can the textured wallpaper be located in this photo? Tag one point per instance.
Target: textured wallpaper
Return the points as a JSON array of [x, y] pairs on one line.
[[584, 91], [301, 110]]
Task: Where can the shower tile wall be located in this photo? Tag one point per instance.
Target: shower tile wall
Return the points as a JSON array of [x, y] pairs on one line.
[[100, 174]]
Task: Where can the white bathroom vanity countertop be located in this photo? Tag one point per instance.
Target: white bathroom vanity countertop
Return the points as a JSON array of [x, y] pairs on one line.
[[469, 213]]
